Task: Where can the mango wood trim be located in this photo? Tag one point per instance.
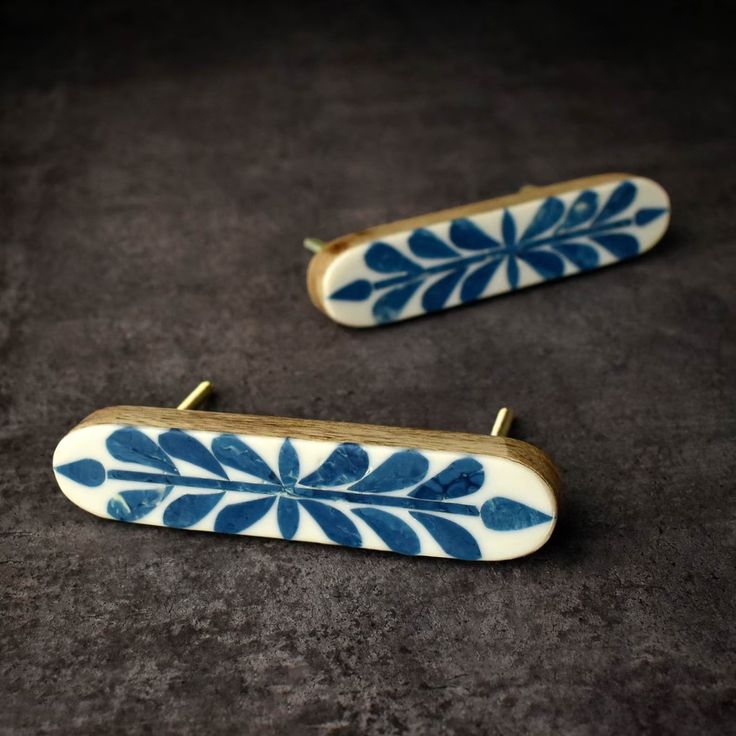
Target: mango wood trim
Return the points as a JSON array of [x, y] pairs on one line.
[[321, 261], [313, 429]]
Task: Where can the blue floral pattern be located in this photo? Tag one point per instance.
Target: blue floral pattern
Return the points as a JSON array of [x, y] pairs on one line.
[[342, 496], [560, 239]]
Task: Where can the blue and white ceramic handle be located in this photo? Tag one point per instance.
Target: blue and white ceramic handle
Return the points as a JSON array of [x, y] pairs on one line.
[[457, 256], [479, 498]]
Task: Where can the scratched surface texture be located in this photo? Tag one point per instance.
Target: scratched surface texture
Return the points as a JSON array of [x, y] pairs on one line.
[[161, 163]]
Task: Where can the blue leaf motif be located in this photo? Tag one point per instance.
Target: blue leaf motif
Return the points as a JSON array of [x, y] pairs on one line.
[[183, 446], [546, 264], [478, 281], [347, 463], [425, 244], [512, 271], [581, 210], [436, 296], [467, 235], [88, 472], [508, 229], [384, 258], [238, 517], [583, 256], [546, 217], [620, 245], [134, 505], [621, 197], [400, 470], [397, 534], [287, 515], [189, 509], [233, 452], [504, 515], [460, 478], [648, 214], [355, 291], [130, 445], [454, 539], [288, 464], [389, 306], [336, 525]]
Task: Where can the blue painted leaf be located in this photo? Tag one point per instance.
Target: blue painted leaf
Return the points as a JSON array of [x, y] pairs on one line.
[[233, 452], [460, 478], [620, 245], [130, 445], [467, 235], [134, 505], [478, 281], [504, 515], [389, 306], [288, 464], [581, 210], [508, 229], [347, 463], [336, 525], [546, 264], [583, 256], [189, 509], [183, 446], [647, 215], [355, 291], [385, 258], [288, 517], [512, 271], [87, 472], [397, 534], [425, 244], [455, 540], [237, 517], [401, 470], [621, 197], [436, 296], [546, 216]]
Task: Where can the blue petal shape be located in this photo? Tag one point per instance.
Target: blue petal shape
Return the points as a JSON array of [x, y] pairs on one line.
[[347, 463], [130, 445], [508, 228], [189, 509], [288, 464], [385, 258], [436, 296], [504, 515], [425, 244], [134, 505], [546, 264], [403, 469], [478, 281], [512, 272], [460, 478], [336, 525], [467, 235], [288, 517], [620, 245], [546, 216], [583, 256], [355, 291], [389, 306], [237, 517], [397, 534], [648, 214], [454, 539], [233, 452], [621, 197], [581, 210], [87, 472], [183, 446]]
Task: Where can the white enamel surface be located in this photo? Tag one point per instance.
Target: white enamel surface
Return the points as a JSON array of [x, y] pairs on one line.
[[502, 478], [350, 266]]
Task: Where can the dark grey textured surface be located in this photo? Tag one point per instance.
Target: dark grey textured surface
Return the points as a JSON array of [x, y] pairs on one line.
[[160, 166]]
